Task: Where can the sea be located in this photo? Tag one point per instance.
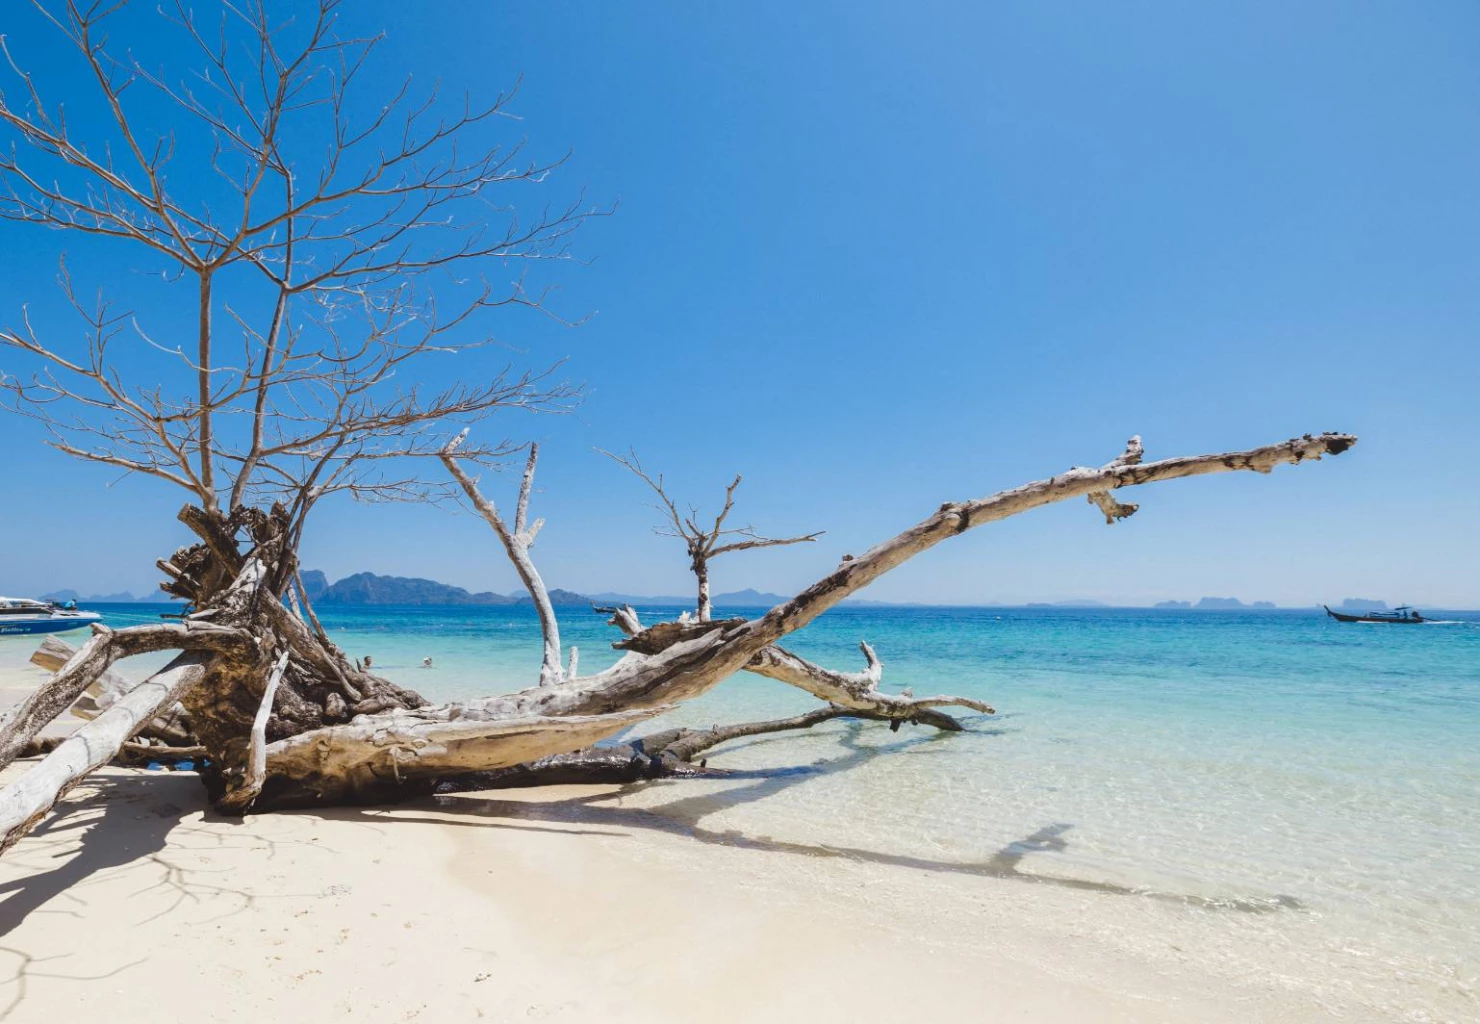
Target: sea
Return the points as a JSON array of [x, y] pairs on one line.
[[1288, 793]]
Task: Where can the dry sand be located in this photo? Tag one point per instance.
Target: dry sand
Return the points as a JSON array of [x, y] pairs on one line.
[[135, 903]]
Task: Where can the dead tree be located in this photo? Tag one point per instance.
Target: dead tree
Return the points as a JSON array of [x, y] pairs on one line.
[[393, 749], [703, 542], [328, 257]]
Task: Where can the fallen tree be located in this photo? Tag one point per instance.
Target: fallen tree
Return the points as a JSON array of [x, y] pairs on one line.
[[319, 748]]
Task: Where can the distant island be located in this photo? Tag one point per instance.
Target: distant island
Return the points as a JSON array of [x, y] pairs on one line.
[[1215, 604], [123, 597], [367, 589]]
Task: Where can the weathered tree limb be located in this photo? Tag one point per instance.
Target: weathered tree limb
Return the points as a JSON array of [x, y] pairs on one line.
[[136, 755], [239, 797], [694, 665], [380, 756], [173, 726], [133, 754], [659, 637], [307, 605], [517, 543], [1115, 510], [687, 744], [663, 755], [60, 692], [954, 518], [54, 653], [624, 618], [25, 801], [858, 690]]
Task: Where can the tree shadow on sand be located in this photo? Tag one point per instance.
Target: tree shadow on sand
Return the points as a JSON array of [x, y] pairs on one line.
[[683, 817], [141, 817]]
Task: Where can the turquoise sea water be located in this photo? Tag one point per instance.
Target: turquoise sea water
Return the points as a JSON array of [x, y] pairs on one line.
[[1211, 762]]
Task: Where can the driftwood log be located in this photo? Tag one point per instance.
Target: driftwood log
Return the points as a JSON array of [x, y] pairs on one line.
[[286, 720], [170, 727]]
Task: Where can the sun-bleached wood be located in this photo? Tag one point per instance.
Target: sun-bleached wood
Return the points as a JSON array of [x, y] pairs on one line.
[[695, 665], [26, 800], [101, 651], [857, 690], [517, 543], [240, 797], [379, 753], [172, 726], [53, 655], [386, 754]]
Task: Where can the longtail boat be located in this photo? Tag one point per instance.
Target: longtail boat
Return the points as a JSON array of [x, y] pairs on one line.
[[1401, 614]]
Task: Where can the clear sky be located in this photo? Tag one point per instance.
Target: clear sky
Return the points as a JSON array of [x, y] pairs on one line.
[[878, 256]]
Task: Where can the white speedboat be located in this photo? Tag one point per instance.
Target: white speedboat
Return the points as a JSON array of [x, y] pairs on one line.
[[20, 615]]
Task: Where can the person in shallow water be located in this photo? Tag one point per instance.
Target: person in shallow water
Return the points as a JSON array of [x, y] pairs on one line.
[[367, 661], [426, 662]]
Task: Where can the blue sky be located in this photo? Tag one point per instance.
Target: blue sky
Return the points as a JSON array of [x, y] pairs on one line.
[[879, 256]]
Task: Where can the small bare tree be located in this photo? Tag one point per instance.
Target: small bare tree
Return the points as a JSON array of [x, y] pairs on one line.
[[334, 246], [703, 542]]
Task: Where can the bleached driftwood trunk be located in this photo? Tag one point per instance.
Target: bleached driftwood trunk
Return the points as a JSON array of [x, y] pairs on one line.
[[170, 727], [25, 801], [90, 662]]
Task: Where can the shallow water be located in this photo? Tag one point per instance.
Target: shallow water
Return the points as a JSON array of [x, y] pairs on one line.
[[1294, 793]]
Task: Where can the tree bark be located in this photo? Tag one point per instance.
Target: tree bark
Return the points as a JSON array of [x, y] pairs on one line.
[[393, 756], [701, 571]]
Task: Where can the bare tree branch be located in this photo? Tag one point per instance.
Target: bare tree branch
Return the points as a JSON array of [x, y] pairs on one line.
[[355, 249], [517, 543], [702, 542]]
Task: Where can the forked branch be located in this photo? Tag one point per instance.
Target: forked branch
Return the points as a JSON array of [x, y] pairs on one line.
[[702, 542], [517, 543]]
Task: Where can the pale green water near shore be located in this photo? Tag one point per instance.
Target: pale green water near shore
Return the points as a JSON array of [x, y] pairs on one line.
[[1305, 794]]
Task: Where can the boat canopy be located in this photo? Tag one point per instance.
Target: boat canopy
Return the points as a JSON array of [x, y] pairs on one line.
[[22, 606]]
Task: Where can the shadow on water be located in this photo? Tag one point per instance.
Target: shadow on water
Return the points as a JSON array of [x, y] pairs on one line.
[[683, 817]]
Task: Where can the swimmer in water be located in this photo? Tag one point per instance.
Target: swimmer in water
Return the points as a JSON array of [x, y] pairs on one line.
[[426, 662], [367, 661]]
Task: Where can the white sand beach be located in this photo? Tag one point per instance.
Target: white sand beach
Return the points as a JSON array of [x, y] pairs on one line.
[[472, 912], [578, 904]]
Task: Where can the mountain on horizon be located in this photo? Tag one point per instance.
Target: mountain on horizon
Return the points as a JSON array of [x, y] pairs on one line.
[[123, 597], [369, 589], [1216, 604]]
